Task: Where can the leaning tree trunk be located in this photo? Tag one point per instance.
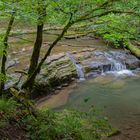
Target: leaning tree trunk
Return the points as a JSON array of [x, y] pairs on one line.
[[38, 43], [133, 49], [4, 56]]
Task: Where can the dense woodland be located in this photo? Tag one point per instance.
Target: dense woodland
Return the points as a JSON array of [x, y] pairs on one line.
[[116, 22]]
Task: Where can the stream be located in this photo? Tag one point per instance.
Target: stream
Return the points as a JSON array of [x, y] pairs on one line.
[[115, 94]]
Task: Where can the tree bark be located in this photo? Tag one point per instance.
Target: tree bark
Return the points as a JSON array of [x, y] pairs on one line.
[[36, 51], [133, 49], [39, 38], [4, 57]]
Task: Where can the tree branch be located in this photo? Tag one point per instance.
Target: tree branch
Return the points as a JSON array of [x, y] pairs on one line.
[[105, 13], [28, 84]]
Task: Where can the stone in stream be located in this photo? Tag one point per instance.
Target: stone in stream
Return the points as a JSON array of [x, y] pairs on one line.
[[12, 63], [14, 52], [65, 85], [132, 63]]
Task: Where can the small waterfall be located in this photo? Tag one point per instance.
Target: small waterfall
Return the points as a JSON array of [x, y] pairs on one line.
[[116, 65], [79, 68]]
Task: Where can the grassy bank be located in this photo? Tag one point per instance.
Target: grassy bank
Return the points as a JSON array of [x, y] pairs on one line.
[[17, 123]]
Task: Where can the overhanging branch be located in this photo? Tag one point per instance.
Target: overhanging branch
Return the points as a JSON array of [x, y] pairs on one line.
[[106, 13]]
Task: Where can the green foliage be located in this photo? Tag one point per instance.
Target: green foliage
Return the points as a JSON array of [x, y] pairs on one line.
[[50, 125], [67, 125], [8, 106], [120, 28], [7, 110], [62, 9], [1, 46], [116, 29], [3, 77]]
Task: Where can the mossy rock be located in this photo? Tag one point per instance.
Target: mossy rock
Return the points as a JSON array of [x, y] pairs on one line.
[[62, 62], [87, 69]]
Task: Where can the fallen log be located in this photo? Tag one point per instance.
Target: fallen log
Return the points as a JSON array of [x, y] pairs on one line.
[[133, 49]]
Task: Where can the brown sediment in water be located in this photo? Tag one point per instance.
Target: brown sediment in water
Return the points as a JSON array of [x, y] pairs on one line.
[[56, 100], [129, 130]]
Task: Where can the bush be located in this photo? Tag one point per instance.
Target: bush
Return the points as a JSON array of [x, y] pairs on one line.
[[117, 29], [67, 125], [7, 109], [50, 125]]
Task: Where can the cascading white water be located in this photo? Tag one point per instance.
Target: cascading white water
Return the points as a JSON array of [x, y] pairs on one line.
[[78, 67], [116, 65]]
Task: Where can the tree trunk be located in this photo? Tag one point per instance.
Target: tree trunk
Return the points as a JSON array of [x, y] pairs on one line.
[[133, 49], [36, 50], [38, 43], [4, 57], [30, 80]]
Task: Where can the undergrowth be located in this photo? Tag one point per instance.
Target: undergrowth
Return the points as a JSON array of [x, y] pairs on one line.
[[51, 125]]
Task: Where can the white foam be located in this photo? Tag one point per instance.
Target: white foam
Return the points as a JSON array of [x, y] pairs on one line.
[[78, 67], [124, 72]]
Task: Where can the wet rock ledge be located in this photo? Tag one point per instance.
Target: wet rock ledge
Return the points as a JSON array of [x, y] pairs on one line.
[[59, 70]]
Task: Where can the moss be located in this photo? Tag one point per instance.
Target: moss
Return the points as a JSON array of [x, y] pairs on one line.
[[81, 58], [62, 62], [114, 132], [87, 69], [134, 49]]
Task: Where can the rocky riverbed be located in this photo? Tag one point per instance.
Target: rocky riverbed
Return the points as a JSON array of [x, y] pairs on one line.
[[61, 69]]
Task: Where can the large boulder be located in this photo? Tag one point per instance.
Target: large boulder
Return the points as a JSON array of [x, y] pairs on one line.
[[59, 69]]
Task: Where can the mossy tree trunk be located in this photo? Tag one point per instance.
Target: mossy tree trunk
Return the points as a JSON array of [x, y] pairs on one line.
[[4, 56], [133, 49], [39, 37]]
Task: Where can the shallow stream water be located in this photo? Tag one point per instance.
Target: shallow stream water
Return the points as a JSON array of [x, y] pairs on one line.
[[119, 98], [116, 96]]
